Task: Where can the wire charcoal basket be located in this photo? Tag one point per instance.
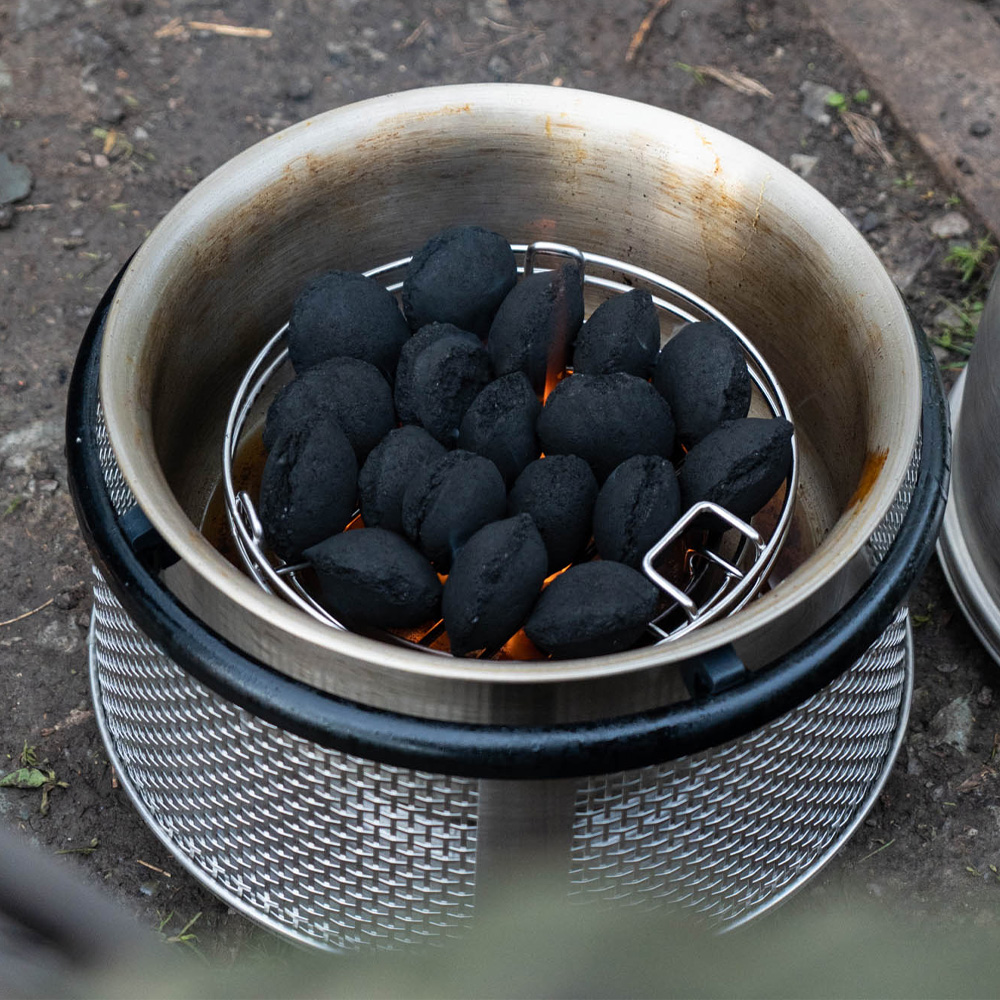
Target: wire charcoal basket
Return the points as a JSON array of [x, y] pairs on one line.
[[715, 581]]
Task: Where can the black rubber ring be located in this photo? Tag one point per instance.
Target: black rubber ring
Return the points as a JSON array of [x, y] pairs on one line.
[[491, 751]]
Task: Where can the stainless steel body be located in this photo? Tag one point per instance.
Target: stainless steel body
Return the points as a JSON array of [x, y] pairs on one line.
[[969, 544], [369, 183], [344, 853]]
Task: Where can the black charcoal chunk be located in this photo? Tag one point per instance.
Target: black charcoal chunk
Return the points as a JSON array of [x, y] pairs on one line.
[[373, 577], [702, 373], [622, 335], [535, 325], [558, 491], [592, 609], [352, 393], [412, 349], [739, 465], [308, 488], [500, 425], [447, 376], [493, 583], [459, 276], [448, 501], [637, 506], [343, 314], [605, 419], [387, 472]]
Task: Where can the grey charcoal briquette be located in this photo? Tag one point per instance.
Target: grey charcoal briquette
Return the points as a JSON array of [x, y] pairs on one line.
[[535, 325], [493, 584], [558, 491], [448, 501], [637, 506], [605, 419], [387, 472], [592, 609], [308, 487], [370, 576], [702, 373], [459, 276], [343, 314], [500, 425], [446, 377], [622, 335], [354, 394], [404, 387], [739, 465]]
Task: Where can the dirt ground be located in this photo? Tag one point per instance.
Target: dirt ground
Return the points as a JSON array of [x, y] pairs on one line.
[[117, 107]]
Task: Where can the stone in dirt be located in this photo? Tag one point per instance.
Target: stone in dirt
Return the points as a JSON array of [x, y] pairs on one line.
[[953, 723], [950, 225], [15, 180], [803, 164], [814, 97]]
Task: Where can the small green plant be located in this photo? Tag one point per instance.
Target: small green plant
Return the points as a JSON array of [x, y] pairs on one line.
[[836, 100], [906, 181], [971, 261], [952, 201], [12, 506], [862, 96], [184, 936], [699, 77]]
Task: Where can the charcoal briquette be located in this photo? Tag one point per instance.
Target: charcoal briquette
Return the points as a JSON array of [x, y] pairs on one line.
[[354, 394], [446, 377], [592, 609], [308, 487], [605, 419], [387, 472], [739, 465], [448, 501], [405, 387], [702, 373], [373, 577], [637, 506], [493, 584], [622, 335], [459, 276], [344, 314], [535, 325], [500, 425], [558, 491]]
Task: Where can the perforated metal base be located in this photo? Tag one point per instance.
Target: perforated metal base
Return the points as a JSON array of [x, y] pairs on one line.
[[346, 853]]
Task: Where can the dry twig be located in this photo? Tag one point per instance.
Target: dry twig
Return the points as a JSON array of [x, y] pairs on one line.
[[170, 29], [734, 80], [232, 30], [28, 614], [415, 34], [867, 137], [639, 38], [146, 864]]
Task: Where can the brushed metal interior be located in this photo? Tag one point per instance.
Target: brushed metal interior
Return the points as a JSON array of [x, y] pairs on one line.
[[969, 543], [369, 183]]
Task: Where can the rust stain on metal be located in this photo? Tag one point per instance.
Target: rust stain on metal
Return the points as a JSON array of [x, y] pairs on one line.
[[874, 463]]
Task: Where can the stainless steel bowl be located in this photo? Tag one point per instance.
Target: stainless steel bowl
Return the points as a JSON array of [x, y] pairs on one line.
[[369, 183]]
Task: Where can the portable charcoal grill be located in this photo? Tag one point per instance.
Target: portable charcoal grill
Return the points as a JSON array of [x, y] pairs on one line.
[[695, 600], [352, 793]]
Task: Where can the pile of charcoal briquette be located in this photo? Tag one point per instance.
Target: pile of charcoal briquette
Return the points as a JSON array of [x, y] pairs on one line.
[[430, 419]]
